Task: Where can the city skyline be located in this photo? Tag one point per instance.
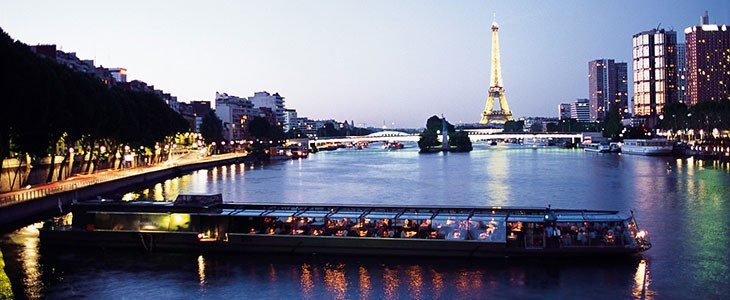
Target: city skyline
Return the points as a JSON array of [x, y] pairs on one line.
[[372, 63]]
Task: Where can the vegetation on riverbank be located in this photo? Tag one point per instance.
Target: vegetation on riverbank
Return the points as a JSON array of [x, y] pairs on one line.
[[51, 110]]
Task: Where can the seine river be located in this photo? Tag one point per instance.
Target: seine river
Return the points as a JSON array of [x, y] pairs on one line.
[[684, 204]]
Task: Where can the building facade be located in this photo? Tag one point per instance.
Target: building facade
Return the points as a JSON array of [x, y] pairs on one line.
[[708, 62], [290, 120], [564, 111], [607, 87], [655, 71], [274, 102], [682, 73], [119, 74], [580, 110], [235, 113]]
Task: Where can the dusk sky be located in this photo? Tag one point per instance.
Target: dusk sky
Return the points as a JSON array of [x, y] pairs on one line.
[[373, 62]]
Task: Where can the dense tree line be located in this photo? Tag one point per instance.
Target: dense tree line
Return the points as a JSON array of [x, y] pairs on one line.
[[48, 108], [707, 115], [329, 130], [458, 140]]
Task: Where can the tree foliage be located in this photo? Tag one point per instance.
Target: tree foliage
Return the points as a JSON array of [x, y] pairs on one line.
[[612, 126], [211, 127], [48, 107], [514, 126], [460, 139], [706, 116]]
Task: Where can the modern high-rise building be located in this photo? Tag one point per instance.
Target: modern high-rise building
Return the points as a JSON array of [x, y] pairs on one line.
[[580, 110], [607, 87], [655, 71], [682, 73], [708, 62]]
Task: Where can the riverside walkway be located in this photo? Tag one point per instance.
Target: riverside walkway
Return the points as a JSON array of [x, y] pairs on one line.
[[81, 181]]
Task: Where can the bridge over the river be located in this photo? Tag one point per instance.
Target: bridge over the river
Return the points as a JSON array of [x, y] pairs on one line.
[[476, 136]]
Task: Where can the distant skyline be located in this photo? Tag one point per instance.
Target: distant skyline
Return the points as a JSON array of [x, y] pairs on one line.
[[372, 62]]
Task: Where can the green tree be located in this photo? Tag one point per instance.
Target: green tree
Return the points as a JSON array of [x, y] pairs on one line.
[[514, 126], [612, 126], [434, 123], [211, 127], [536, 127], [428, 139], [460, 139]]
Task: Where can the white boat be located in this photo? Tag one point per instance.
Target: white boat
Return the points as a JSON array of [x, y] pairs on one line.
[[648, 147], [597, 147]]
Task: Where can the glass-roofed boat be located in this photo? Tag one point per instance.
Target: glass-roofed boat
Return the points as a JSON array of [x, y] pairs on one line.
[[204, 222]]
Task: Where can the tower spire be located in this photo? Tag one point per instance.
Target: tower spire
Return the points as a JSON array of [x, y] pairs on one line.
[[496, 89]]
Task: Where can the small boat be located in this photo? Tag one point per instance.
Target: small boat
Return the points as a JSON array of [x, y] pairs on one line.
[[597, 147], [655, 147], [393, 145], [200, 222]]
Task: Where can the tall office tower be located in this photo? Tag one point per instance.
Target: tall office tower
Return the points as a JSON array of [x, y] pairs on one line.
[[682, 73], [607, 88], [708, 62], [655, 71]]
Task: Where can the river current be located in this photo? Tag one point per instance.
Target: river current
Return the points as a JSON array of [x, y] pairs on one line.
[[683, 203]]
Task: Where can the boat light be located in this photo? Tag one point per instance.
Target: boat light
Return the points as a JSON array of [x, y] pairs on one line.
[[642, 234]]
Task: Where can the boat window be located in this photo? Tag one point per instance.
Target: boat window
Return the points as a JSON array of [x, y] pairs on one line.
[[451, 226], [488, 228], [612, 233], [137, 221], [534, 234], [180, 222], [281, 213]]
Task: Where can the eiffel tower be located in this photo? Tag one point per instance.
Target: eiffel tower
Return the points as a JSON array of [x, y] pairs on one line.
[[496, 90]]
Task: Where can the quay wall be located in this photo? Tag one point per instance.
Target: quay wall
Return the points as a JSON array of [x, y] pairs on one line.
[[21, 213]]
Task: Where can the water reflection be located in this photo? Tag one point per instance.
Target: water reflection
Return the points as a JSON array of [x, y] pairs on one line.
[[642, 282], [437, 283], [335, 281], [390, 283], [364, 283], [415, 281], [306, 281], [201, 271]]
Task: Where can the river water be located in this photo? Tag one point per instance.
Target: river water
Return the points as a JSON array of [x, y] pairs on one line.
[[683, 203]]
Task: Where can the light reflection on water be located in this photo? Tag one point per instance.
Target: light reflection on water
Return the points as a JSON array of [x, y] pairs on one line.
[[683, 204]]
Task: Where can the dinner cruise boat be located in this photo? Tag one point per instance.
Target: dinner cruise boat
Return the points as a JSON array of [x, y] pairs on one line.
[[204, 223], [597, 147], [657, 146]]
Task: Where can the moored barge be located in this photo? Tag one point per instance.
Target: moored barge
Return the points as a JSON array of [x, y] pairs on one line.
[[204, 223]]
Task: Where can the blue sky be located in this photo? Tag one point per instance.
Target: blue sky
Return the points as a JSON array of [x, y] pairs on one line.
[[373, 62]]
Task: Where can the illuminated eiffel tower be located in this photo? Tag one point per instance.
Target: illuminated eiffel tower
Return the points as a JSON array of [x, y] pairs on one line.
[[496, 90]]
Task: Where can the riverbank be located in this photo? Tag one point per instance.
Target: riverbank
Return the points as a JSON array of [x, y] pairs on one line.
[[44, 200]]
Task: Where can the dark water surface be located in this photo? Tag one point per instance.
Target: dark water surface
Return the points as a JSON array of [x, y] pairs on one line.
[[684, 204]]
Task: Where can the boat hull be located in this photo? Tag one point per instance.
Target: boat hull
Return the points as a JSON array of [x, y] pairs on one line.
[[647, 151], [310, 245]]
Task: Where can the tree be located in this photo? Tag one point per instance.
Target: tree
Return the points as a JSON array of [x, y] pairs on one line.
[[211, 127], [428, 139], [434, 123], [460, 139], [551, 127], [536, 127], [514, 126], [612, 126], [329, 130]]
